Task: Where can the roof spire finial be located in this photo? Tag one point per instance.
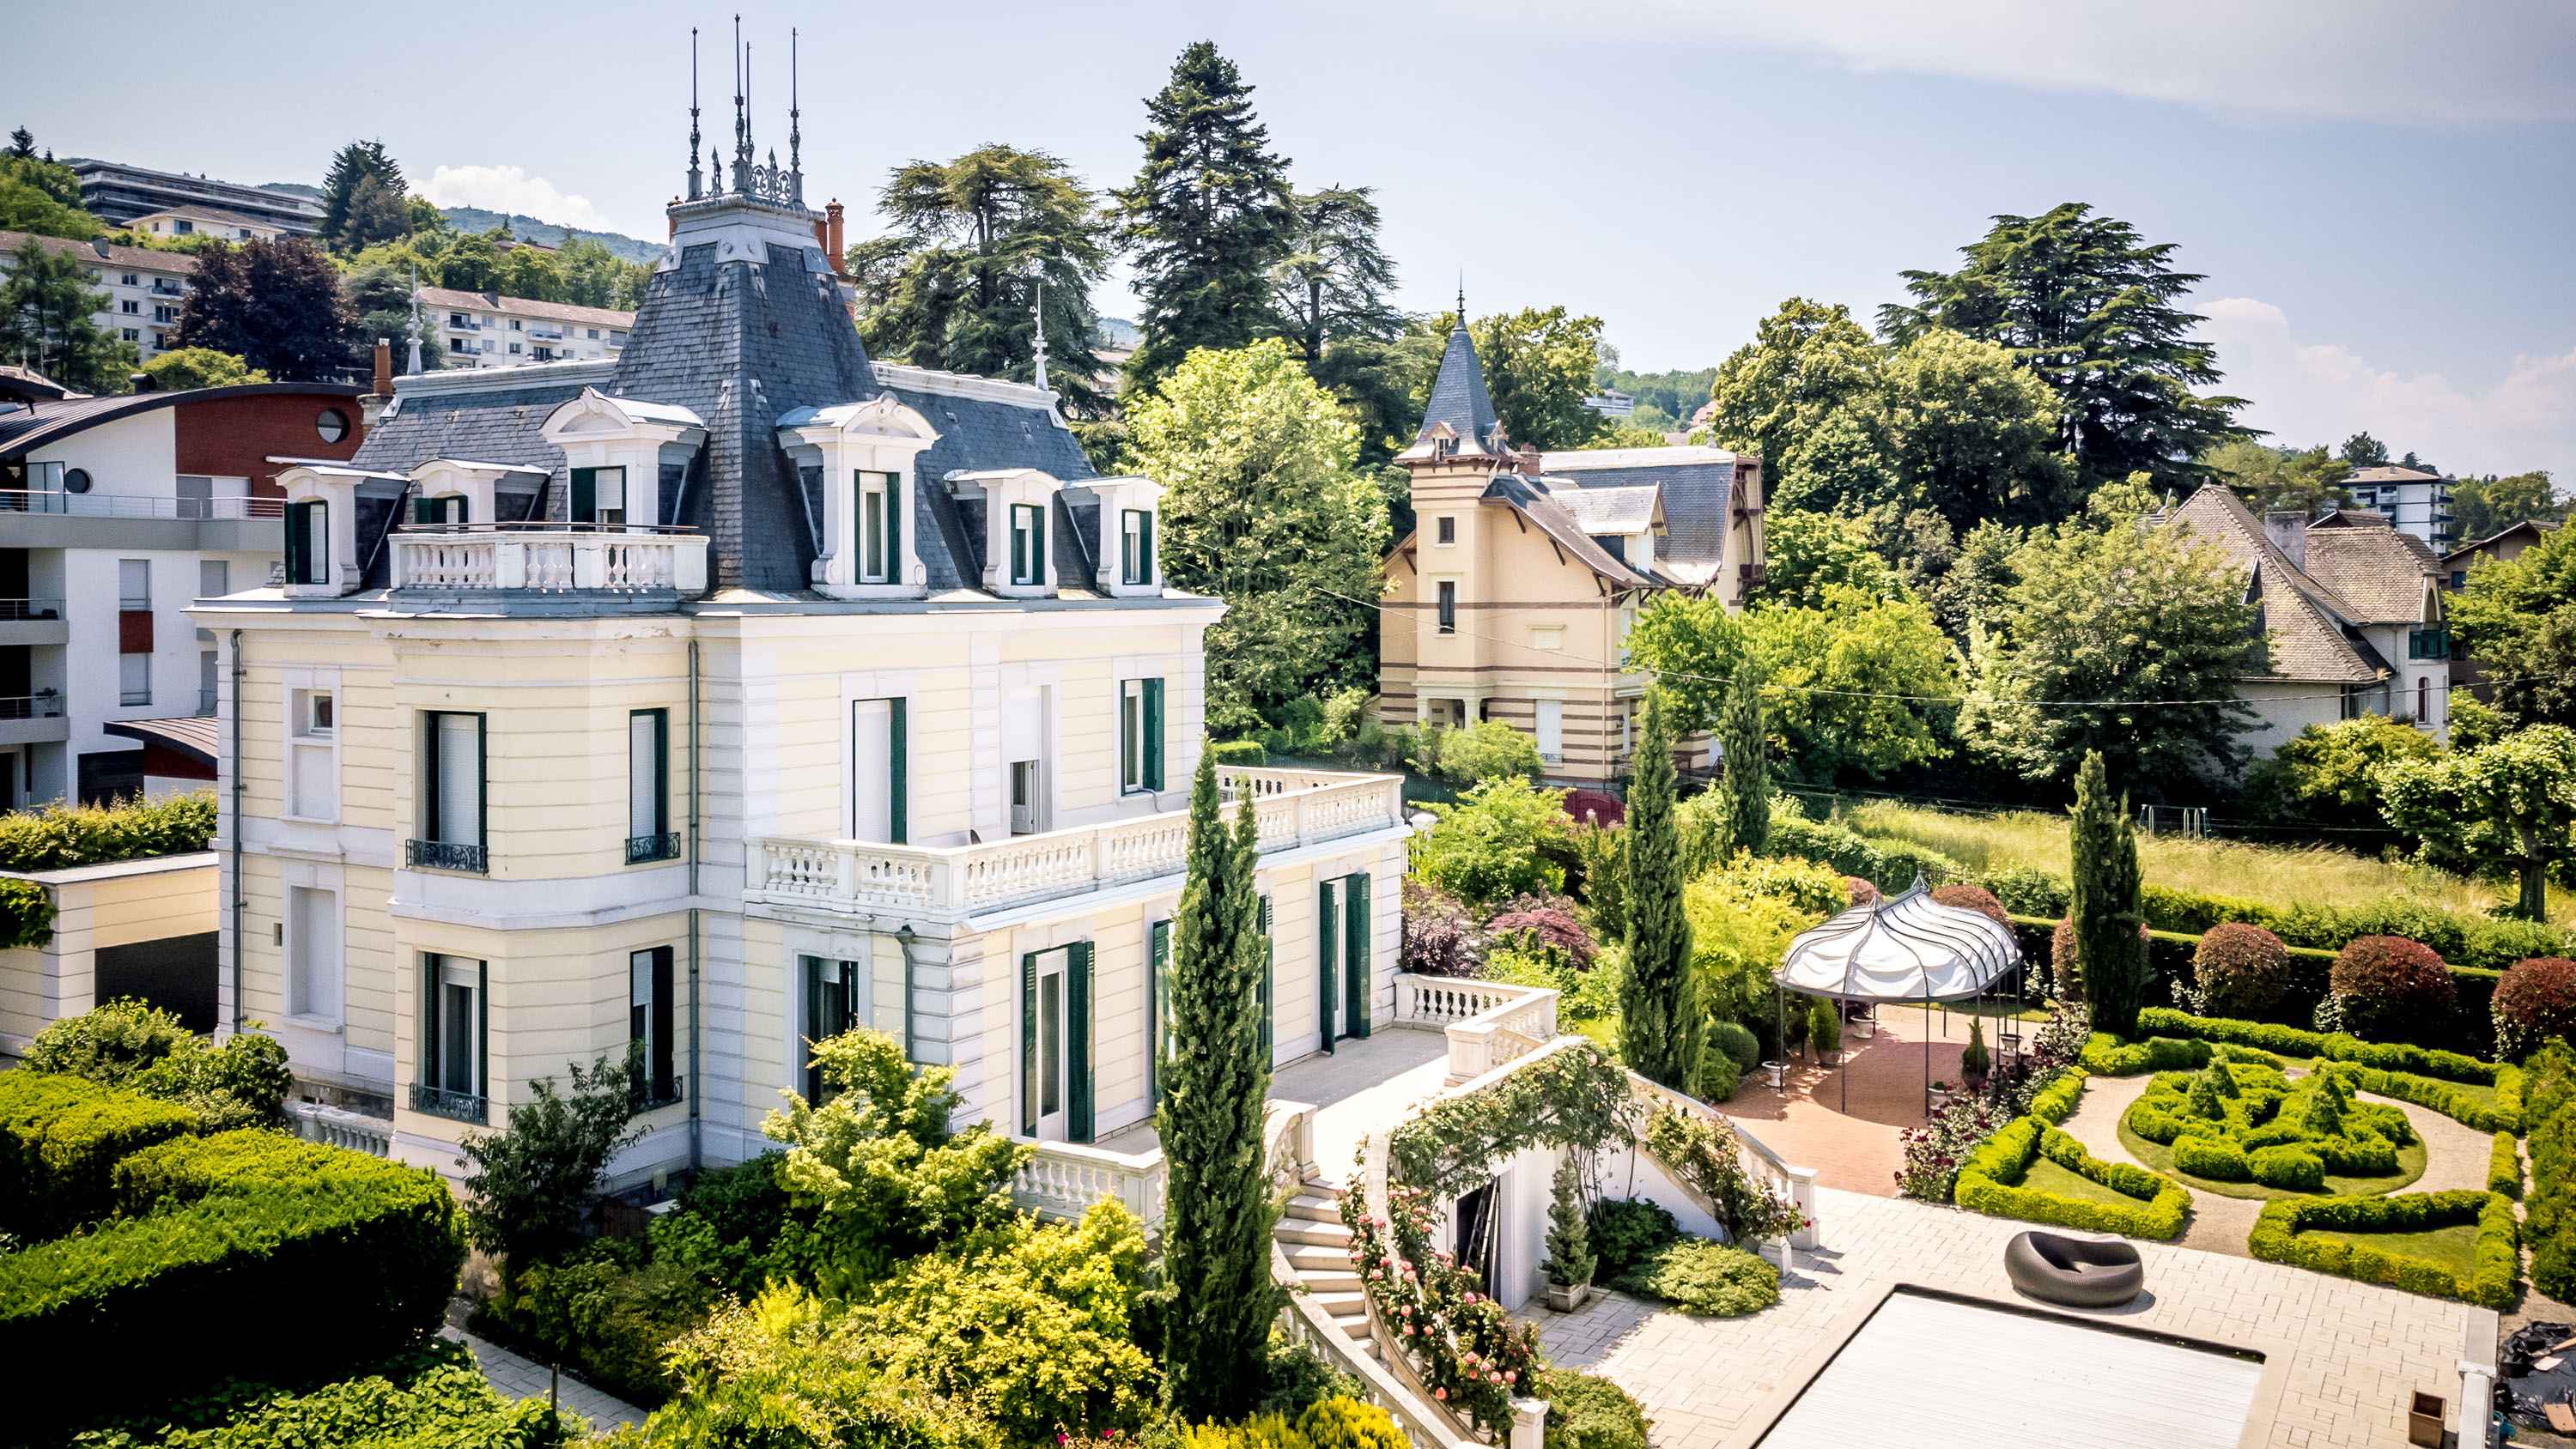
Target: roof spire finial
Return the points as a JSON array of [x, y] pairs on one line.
[[1462, 299], [695, 177], [795, 133], [741, 125], [1039, 308]]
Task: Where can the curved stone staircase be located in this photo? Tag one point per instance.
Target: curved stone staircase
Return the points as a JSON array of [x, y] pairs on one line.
[[1318, 1246]]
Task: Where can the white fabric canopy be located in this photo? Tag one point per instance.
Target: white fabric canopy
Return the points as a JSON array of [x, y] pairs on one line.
[[1906, 948]]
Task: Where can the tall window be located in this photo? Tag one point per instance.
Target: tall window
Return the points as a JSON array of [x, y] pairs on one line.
[[1028, 543], [880, 521], [1160, 1043], [1140, 735], [599, 495], [312, 953], [134, 630], [835, 1001], [308, 543], [455, 1073], [1136, 547], [133, 679], [879, 788], [648, 787], [452, 793], [648, 1021], [1448, 606], [134, 584], [1551, 730], [313, 778]]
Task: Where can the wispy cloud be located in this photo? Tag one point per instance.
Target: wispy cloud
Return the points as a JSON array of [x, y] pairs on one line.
[[2384, 60], [512, 189], [2309, 392]]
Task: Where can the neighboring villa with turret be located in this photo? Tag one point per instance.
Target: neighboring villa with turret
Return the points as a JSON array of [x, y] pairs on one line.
[[722, 695], [1512, 598]]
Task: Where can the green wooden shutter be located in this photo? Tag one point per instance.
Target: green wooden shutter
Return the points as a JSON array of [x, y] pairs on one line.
[[296, 531], [1355, 951], [429, 968], [894, 528], [424, 510], [1077, 1044], [1019, 547], [482, 781], [1153, 692], [585, 495], [1029, 1044], [1266, 962], [1145, 535], [483, 1030], [1158, 1006], [813, 1024], [899, 770], [661, 1061], [1037, 544], [1325, 985]]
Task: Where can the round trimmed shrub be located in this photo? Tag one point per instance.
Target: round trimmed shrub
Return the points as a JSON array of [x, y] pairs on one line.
[[2389, 987], [1718, 1077], [1973, 898], [2290, 1167], [2534, 1005], [2217, 1161], [1586, 1411], [1737, 1041], [2241, 970], [1862, 893]]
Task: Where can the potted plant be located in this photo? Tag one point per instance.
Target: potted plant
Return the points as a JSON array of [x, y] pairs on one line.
[[1940, 1097], [1825, 1032], [1779, 1074], [1974, 1062], [1569, 1242]]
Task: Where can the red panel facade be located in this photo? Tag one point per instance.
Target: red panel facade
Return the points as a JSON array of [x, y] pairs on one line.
[[235, 437]]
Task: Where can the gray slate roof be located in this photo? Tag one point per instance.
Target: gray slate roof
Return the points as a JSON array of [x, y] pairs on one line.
[[1535, 502], [1607, 510], [1698, 486], [1458, 398]]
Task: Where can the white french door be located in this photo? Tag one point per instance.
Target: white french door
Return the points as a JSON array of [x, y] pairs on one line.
[[1053, 1085], [872, 770]]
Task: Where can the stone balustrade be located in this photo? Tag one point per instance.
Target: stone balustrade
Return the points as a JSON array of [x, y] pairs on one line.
[[549, 559]]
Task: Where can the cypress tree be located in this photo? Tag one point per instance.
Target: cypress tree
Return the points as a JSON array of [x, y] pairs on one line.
[[1744, 801], [1660, 1030], [2102, 901], [1219, 1213]]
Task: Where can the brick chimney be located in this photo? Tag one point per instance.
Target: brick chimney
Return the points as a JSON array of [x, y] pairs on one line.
[[833, 245], [2289, 533], [1529, 461], [381, 395]]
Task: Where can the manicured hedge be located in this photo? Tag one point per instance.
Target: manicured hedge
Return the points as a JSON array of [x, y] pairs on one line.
[[1891, 865], [2106, 1055], [1991, 1183], [2291, 1041], [1247, 753], [60, 1138], [2447, 1098], [2504, 1166], [239, 1248], [2055, 1102], [61, 836], [2550, 1108], [2283, 1235]]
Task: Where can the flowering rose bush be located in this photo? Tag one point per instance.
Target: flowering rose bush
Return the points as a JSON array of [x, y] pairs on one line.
[[1934, 1150], [1466, 1348]]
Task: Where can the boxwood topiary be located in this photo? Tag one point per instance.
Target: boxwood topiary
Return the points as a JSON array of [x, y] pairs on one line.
[[60, 1140], [2287, 1232], [1705, 1279], [1586, 1411], [2288, 1166]]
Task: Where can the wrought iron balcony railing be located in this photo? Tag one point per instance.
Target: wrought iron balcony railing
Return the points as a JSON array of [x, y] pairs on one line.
[[641, 849], [446, 855], [455, 1106]]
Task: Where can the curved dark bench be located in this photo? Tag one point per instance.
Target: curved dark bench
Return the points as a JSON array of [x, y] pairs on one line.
[[2075, 1272]]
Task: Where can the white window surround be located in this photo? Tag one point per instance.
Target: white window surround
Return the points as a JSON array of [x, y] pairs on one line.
[[1548, 718], [462, 478], [314, 937], [1119, 497], [337, 489], [823, 944], [857, 685], [297, 685], [325, 877], [880, 435], [598, 431], [1003, 490]]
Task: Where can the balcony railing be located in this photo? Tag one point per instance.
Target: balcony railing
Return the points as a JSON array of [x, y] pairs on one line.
[[550, 558], [136, 505], [1294, 807], [641, 849], [446, 855], [43, 704], [19, 611], [455, 1106]]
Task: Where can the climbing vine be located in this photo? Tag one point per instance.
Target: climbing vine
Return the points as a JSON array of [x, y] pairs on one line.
[[1575, 1097], [1467, 1348]]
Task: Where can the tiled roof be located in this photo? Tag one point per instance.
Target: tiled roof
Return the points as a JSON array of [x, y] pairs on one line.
[[2379, 573], [2533, 526], [103, 253], [1531, 498], [1458, 400], [2391, 473], [2303, 617], [448, 297], [1607, 510], [1698, 486]]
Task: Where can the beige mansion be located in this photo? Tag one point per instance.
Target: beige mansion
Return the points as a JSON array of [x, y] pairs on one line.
[[1512, 598], [725, 694]]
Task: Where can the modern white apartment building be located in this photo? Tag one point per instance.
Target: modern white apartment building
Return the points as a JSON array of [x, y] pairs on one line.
[[117, 193], [139, 289], [2416, 503], [721, 696], [193, 220], [117, 514], [486, 329]]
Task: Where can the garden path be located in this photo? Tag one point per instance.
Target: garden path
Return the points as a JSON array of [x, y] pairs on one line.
[[2455, 1156], [514, 1377]]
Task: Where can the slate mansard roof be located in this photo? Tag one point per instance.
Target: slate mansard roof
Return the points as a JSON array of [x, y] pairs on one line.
[[741, 342]]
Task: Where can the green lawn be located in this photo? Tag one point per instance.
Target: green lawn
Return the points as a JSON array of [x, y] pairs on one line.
[[2410, 1166], [2047, 1176], [2454, 1247]]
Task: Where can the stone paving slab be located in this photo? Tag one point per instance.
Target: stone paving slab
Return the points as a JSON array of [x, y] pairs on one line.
[[515, 1377], [2355, 1352]]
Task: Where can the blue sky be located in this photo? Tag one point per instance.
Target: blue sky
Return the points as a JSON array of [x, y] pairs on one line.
[[2379, 192]]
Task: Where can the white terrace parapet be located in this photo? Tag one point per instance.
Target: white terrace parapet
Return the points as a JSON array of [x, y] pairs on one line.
[[1488, 1023], [1063, 1179], [953, 882], [550, 558]]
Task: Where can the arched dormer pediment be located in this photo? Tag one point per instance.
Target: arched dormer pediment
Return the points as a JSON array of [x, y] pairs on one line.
[[621, 453], [462, 490], [595, 414], [858, 459]]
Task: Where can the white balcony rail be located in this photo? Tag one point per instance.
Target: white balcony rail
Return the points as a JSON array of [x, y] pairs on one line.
[[339, 1127], [956, 881], [1063, 1179], [550, 558], [1488, 1023], [136, 505]]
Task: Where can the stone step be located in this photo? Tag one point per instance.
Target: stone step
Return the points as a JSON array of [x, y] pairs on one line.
[[1341, 1304], [1356, 1326], [1307, 1230], [1312, 1206]]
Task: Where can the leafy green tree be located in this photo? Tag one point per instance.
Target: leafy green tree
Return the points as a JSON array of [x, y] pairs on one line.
[[952, 282], [2361, 450], [594, 276], [1665, 400], [2104, 617], [46, 303], [380, 294], [2102, 901], [1217, 1222], [187, 367], [879, 1165], [1488, 750], [528, 1186], [1808, 555], [1334, 280], [1263, 507], [356, 214], [2485, 507], [22, 143], [1744, 796], [1975, 436], [2328, 774], [531, 272], [471, 264], [41, 196], [2517, 617], [1862, 684], [1661, 1025], [142, 1048], [1802, 394], [2287, 480], [274, 304], [1500, 840], [2096, 311], [1693, 645], [1206, 219], [1539, 365], [2499, 804], [1980, 573]]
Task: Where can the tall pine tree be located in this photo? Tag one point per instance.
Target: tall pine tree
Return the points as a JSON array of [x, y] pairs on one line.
[[355, 213], [1744, 799], [47, 300], [2102, 901], [1660, 1025], [1216, 1227], [1206, 219]]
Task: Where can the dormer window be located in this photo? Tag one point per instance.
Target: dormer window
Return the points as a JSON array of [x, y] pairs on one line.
[[431, 511], [1028, 544], [1135, 546], [880, 520], [599, 495], [854, 465], [308, 543]]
